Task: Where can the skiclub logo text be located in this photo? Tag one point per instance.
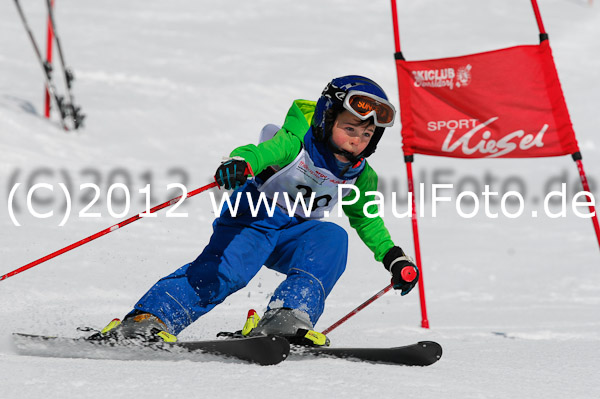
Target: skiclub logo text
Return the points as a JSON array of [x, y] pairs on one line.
[[444, 77]]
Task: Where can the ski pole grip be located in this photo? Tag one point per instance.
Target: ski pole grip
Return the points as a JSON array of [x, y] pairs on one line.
[[408, 274]]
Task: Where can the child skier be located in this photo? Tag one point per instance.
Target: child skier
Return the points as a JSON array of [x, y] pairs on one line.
[[320, 146]]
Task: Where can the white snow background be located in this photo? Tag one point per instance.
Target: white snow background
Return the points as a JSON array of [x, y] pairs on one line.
[[169, 88]]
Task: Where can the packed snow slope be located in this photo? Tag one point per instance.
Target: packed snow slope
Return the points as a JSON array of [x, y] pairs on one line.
[[169, 88]]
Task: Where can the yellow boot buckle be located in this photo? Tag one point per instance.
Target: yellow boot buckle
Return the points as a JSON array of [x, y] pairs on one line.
[[317, 338], [114, 323], [251, 322]]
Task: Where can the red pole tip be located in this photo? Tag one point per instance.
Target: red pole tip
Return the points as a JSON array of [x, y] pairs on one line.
[[251, 313]]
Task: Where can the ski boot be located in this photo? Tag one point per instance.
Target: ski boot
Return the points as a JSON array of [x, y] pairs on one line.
[[292, 324], [143, 327]]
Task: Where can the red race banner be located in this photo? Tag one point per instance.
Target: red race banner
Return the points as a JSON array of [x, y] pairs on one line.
[[500, 104]]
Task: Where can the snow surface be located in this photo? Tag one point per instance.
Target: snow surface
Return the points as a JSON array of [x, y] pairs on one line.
[[171, 87]]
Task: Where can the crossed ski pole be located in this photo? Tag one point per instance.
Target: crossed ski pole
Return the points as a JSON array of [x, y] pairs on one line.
[[106, 231]]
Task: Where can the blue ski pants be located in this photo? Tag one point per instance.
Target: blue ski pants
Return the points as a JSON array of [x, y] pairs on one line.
[[311, 253]]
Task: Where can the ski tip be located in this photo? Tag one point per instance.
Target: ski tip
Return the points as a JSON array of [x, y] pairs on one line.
[[433, 348]]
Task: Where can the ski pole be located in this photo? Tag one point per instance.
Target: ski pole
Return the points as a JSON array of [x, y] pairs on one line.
[[106, 231], [358, 309], [47, 70], [73, 110]]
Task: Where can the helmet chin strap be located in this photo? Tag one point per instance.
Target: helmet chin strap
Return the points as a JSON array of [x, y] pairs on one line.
[[353, 159]]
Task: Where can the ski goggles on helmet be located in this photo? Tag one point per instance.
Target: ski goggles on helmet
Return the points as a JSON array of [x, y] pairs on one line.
[[364, 105]]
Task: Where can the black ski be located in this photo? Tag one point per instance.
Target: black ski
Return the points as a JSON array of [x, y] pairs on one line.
[[261, 350], [71, 109], [47, 68], [423, 353]]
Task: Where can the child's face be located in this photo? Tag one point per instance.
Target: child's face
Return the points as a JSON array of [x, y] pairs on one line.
[[351, 134]]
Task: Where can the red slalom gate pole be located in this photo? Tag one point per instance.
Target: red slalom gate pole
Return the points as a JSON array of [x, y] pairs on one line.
[[358, 309], [538, 17], [106, 231], [586, 187], [49, 40], [408, 159], [411, 189]]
